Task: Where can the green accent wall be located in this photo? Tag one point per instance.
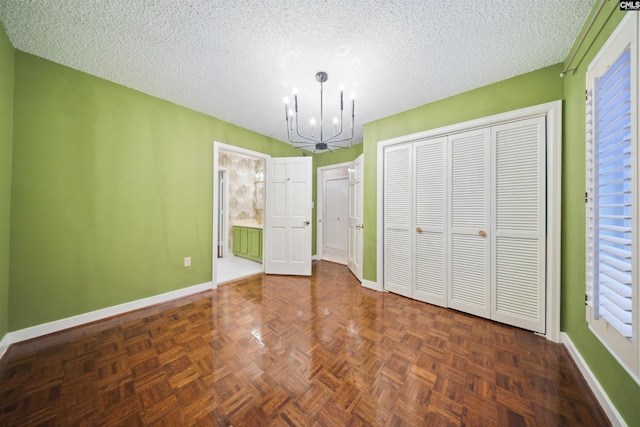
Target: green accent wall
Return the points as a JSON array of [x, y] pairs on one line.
[[112, 188], [537, 87], [623, 391], [7, 62]]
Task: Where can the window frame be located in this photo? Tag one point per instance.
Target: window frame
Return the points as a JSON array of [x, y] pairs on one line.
[[627, 352]]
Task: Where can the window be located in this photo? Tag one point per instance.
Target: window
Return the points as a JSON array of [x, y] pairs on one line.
[[612, 195]]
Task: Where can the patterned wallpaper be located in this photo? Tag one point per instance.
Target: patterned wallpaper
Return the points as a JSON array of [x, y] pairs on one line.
[[246, 196]]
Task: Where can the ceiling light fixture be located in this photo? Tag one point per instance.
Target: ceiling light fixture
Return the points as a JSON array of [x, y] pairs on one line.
[[299, 140]]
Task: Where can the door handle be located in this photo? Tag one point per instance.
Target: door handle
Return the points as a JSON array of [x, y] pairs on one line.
[[482, 233], [418, 229], [307, 222]]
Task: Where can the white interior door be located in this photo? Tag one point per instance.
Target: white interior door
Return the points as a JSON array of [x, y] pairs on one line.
[[431, 215], [288, 216], [356, 201], [469, 216], [519, 227], [398, 219], [337, 214]]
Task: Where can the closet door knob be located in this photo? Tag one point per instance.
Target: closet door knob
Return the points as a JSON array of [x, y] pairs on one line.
[[419, 230], [482, 233]]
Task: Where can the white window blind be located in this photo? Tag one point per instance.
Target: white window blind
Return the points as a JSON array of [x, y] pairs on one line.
[[610, 188], [612, 194]]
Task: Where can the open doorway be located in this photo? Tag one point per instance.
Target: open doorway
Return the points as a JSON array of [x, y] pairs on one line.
[[238, 212], [333, 215]]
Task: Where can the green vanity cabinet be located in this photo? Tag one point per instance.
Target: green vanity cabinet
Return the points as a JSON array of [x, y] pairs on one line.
[[247, 242]]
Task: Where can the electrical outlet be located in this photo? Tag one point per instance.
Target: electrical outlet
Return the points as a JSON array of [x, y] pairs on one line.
[[187, 261]]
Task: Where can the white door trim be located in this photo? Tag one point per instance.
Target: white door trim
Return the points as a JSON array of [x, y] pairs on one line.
[[225, 238], [320, 204], [553, 113], [231, 148]]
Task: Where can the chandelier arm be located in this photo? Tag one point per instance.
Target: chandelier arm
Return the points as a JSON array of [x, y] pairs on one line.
[[342, 129], [340, 140], [341, 125], [331, 148], [298, 130], [305, 138], [303, 144]]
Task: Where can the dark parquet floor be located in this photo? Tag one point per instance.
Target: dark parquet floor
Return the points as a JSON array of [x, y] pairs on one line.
[[291, 351]]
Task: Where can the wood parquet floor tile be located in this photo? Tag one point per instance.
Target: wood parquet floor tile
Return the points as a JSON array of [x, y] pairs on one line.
[[294, 351]]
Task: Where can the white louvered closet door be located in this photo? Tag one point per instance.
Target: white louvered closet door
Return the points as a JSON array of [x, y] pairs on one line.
[[469, 243], [430, 277], [398, 214], [518, 236]]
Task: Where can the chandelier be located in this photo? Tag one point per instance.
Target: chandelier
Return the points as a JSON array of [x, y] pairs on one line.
[[323, 141]]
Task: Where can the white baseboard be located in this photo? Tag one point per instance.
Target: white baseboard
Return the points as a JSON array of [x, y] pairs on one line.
[[371, 285], [597, 390], [4, 344], [92, 316]]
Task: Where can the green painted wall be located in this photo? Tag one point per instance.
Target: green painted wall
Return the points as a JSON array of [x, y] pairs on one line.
[[620, 387], [529, 89], [339, 156], [111, 189], [7, 62]]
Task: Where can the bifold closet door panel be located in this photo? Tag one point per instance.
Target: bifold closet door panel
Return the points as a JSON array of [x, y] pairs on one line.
[[519, 230], [431, 216], [469, 212], [398, 214]]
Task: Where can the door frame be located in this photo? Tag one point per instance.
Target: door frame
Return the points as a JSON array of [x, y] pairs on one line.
[[320, 202], [553, 113], [225, 238], [217, 146]]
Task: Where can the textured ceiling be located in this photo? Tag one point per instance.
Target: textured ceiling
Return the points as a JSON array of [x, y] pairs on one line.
[[237, 59]]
